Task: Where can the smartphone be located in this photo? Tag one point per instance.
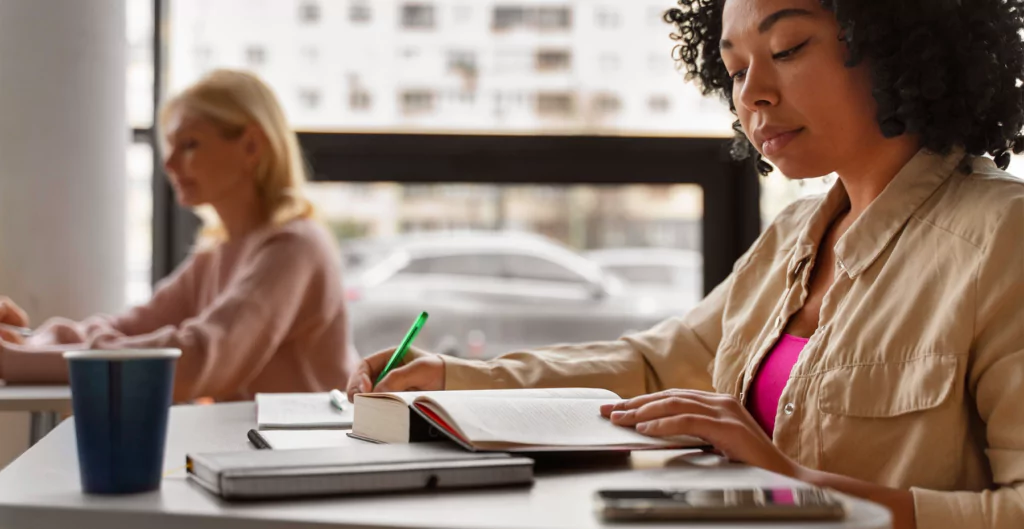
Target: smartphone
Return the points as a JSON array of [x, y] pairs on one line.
[[775, 503]]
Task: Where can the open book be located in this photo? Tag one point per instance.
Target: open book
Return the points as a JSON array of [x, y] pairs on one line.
[[521, 420]]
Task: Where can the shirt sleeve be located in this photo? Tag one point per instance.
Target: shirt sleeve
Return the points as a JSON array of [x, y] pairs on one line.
[[996, 385], [232, 340], [674, 353], [677, 353]]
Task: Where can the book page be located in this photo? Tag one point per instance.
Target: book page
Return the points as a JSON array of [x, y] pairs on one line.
[[546, 393], [538, 421]]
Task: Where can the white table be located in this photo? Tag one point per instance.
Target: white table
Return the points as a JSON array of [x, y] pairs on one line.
[[41, 490], [44, 404]]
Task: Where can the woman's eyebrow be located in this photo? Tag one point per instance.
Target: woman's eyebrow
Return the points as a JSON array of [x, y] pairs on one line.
[[771, 20]]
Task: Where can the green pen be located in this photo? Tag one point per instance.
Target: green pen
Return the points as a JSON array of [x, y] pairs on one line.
[[403, 347]]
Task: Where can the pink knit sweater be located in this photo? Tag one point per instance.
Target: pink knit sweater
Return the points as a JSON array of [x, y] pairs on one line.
[[263, 313]]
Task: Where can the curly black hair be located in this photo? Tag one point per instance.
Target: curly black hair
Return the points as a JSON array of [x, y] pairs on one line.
[[949, 71]]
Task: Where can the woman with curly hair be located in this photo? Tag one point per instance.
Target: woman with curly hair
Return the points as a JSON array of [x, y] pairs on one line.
[[871, 340]]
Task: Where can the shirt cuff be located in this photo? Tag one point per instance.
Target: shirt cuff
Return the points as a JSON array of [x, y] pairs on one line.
[[935, 509]]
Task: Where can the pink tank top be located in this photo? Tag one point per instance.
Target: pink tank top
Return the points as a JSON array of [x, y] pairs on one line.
[[766, 389]]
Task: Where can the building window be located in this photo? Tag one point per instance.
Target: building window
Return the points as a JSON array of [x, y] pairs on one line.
[[417, 102], [310, 98], [359, 12], [359, 100], [554, 18], [606, 104], [418, 16], [508, 17], [610, 62], [608, 17], [309, 12], [255, 56], [462, 61], [553, 60], [555, 104], [658, 104]]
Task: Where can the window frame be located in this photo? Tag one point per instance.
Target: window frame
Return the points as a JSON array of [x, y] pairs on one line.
[[731, 190]]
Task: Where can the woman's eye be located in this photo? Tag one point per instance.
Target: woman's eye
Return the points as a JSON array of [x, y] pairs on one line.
[[784, 54], [739, 75]]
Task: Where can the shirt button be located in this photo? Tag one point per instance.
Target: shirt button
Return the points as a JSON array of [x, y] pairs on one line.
[[789, 409]]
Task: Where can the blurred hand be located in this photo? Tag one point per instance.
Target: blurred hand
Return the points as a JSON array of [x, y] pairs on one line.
[[11, 314], [718, 419], [422, 371]]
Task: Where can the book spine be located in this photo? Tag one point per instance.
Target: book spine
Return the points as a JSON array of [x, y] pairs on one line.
[[421, 431]]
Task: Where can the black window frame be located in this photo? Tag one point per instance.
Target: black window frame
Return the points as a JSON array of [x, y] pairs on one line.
[[731, 190]]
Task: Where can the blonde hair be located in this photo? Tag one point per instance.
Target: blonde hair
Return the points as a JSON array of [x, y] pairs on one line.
[[233, 100]]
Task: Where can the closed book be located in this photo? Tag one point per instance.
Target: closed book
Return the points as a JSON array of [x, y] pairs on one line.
[[265, 474]]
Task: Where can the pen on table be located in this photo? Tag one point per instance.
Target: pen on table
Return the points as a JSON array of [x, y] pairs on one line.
[[338, 399], [396, 359], [24, 332]]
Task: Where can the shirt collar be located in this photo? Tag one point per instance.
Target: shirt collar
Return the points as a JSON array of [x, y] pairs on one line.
[[870, 234]]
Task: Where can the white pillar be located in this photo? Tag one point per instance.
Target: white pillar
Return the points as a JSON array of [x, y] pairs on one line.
[[63, 138]]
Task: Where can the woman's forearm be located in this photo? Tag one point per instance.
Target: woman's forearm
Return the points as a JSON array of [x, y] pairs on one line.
[[900, 502]]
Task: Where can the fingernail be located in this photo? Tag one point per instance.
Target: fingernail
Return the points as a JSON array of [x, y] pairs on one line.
[[643, 427], [618, 415]]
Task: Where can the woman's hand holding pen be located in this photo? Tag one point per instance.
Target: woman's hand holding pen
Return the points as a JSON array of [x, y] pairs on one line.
[[422, 371]]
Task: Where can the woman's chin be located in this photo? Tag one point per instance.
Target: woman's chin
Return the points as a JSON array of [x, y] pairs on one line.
[[795, 169]]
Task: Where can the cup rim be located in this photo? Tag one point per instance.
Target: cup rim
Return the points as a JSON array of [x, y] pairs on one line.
[[121, 354]]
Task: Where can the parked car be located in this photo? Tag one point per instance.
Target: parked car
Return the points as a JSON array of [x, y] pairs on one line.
[[670, 275], [488, 293]]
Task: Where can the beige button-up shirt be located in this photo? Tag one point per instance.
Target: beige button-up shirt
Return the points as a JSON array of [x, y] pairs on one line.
[[915, 375]]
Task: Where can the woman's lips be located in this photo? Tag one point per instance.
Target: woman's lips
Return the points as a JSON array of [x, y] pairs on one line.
[[778, 142]]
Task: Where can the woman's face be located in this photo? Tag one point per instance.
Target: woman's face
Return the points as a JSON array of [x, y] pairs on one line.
[[798, 103], [204, 165]]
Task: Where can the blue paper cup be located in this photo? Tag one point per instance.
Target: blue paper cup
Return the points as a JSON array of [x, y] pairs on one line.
[[121, 401]]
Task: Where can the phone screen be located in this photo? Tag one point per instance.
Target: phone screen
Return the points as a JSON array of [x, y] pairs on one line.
[[724, 503]]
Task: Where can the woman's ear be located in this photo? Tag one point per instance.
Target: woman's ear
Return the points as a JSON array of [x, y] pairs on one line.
[[253, 144]]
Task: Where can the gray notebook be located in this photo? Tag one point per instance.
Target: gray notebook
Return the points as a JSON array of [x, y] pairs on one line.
[[259, 474]]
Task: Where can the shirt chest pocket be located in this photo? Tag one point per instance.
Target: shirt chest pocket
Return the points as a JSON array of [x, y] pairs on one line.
[[894, 422]]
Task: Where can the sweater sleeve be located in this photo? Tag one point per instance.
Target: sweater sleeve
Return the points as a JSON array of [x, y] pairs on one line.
[[40, 359], [234, 338], [173, 301]]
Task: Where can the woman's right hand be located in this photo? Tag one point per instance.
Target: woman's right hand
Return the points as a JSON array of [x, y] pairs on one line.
[[422, 371]]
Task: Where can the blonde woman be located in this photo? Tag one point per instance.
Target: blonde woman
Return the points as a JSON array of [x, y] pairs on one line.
[[259, 304]]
